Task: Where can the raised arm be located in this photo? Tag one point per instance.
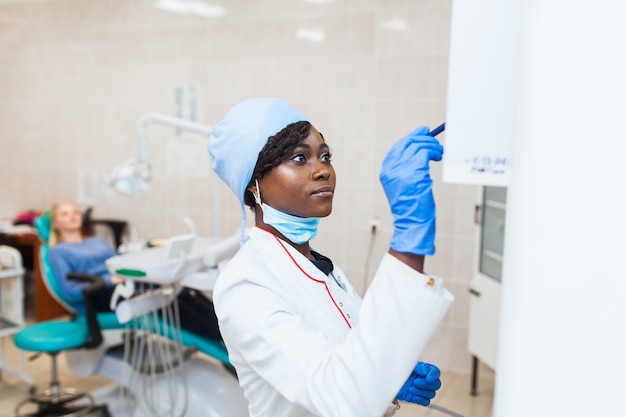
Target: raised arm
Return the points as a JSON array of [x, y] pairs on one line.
[[405, 177]]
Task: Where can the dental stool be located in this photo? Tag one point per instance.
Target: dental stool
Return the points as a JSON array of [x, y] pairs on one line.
[[52, 338]]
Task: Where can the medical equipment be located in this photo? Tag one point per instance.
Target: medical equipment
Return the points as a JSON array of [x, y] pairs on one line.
[[157, 367], [131, 177], [54, 337]]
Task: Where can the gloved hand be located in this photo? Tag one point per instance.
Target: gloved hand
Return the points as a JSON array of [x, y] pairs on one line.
[[422, 384], [405, 176]]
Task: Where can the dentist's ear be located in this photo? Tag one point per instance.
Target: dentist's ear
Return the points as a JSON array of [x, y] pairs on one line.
[[256, 191]]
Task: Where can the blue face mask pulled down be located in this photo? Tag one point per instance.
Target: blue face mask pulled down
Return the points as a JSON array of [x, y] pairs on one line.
[[299, 230]]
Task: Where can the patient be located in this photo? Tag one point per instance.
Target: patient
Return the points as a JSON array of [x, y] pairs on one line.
[[71, 251]]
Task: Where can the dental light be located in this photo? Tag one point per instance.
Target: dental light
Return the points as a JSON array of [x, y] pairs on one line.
[[132, 176]]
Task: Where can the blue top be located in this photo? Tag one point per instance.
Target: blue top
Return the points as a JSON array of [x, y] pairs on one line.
[[86, 257]]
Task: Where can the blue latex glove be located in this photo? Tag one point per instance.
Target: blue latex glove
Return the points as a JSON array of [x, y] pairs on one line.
[[405, 176], [422, 384]]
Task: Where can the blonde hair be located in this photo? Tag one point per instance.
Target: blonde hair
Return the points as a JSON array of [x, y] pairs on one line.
[[54, 237]]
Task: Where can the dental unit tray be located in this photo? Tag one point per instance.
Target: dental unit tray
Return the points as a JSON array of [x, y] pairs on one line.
[[184, 255]]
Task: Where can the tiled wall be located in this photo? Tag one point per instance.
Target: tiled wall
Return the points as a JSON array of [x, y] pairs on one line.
[[76, 75]]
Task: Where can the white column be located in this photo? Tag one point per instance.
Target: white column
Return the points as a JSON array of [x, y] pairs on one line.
[[562, 345]]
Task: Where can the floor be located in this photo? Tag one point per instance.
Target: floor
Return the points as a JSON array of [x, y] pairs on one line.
[[452, 399]]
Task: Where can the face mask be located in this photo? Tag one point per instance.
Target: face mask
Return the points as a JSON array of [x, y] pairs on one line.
[[297, 229]]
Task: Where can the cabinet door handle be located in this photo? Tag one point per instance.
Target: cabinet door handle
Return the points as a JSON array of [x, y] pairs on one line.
[[474, 292], [477, 209]]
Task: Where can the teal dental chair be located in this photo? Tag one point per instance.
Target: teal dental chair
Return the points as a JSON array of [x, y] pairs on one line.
[[54, 337], [108, 321]]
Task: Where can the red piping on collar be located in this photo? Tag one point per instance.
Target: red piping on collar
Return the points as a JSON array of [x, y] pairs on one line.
[[310, 277]]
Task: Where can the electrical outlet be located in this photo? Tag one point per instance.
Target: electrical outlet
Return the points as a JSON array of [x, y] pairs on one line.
[[374, 223]]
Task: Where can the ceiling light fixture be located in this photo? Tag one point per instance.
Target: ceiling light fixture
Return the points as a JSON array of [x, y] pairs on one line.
[[397, 25], [311, 34], [191, 7]]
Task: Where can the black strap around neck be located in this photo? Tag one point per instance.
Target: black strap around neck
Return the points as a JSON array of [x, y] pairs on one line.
[[322, 263]]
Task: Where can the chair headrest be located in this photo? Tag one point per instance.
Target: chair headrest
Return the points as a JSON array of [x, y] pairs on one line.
[[42, 225]]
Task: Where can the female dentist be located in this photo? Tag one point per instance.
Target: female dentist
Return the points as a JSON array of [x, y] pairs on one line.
[[301, 339]]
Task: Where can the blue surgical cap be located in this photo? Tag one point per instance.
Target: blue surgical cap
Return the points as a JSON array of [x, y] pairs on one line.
[[238, 138]]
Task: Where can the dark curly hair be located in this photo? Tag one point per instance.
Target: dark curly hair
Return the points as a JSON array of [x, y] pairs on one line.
[[277, 149]]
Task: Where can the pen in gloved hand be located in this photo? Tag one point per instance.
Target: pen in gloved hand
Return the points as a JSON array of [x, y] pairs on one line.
[[438, 130]]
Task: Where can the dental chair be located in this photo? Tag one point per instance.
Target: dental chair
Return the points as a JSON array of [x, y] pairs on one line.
[[56, 336], [101, 344]]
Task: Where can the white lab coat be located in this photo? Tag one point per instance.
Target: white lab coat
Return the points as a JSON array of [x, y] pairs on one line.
[[288, 335]]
